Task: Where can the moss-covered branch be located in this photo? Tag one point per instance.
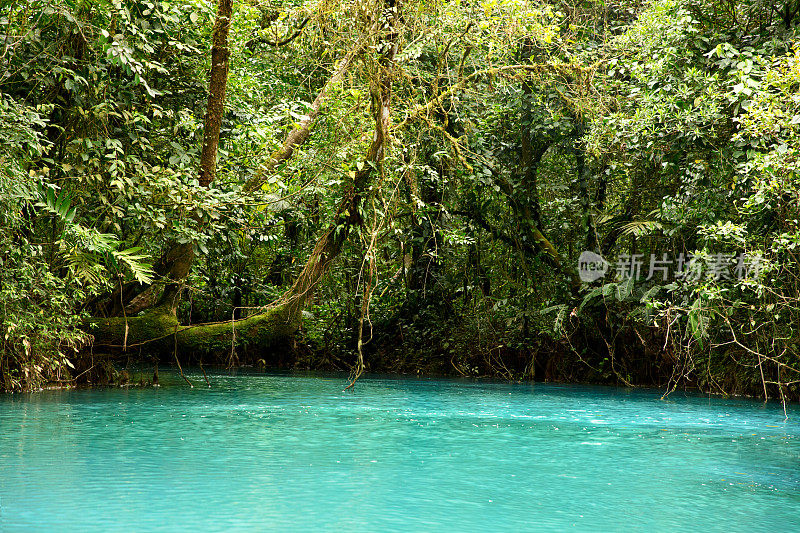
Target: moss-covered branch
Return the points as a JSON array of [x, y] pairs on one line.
[[158, 332]]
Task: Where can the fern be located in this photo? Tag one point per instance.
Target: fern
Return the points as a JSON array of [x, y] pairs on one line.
[[641, 228], [91, 247], [590, 296], [624, 290], [620, 292], [698, 321], [648, 296], [58, 204], [86, 268], [561, 315], [137, 263]]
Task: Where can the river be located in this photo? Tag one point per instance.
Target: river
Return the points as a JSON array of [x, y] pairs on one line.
[[294, 452]]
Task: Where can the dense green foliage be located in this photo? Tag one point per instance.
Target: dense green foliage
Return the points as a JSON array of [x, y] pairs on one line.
[[524, 132]]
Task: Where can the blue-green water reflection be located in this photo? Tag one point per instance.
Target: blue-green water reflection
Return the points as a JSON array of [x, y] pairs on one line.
[[262, 452]]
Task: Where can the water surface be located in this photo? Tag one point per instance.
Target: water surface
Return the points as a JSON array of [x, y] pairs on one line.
[[294, 452]]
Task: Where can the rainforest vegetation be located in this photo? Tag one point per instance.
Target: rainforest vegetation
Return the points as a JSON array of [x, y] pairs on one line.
[[403, 186]]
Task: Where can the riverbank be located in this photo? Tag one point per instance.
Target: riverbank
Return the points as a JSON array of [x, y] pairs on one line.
[[549, 363]]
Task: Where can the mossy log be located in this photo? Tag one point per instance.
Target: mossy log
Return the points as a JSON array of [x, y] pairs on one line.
[[158, 332]]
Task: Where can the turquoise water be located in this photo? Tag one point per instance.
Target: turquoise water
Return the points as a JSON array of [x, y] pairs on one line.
[[262, 452]]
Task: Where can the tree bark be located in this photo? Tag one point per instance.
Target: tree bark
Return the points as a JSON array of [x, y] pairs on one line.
[[176, 262], [158, 331], [302, 132], [540, 242], [218, 81], [348, 213], [180, 256]]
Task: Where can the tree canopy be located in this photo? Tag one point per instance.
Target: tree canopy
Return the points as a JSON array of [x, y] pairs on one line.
[[403, 186]]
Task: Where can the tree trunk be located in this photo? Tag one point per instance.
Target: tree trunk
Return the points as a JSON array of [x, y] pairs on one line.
[[158, 331], [218, 81], [348, 213], [302, 132], [180, 256], [175, 264], [176, 261]]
